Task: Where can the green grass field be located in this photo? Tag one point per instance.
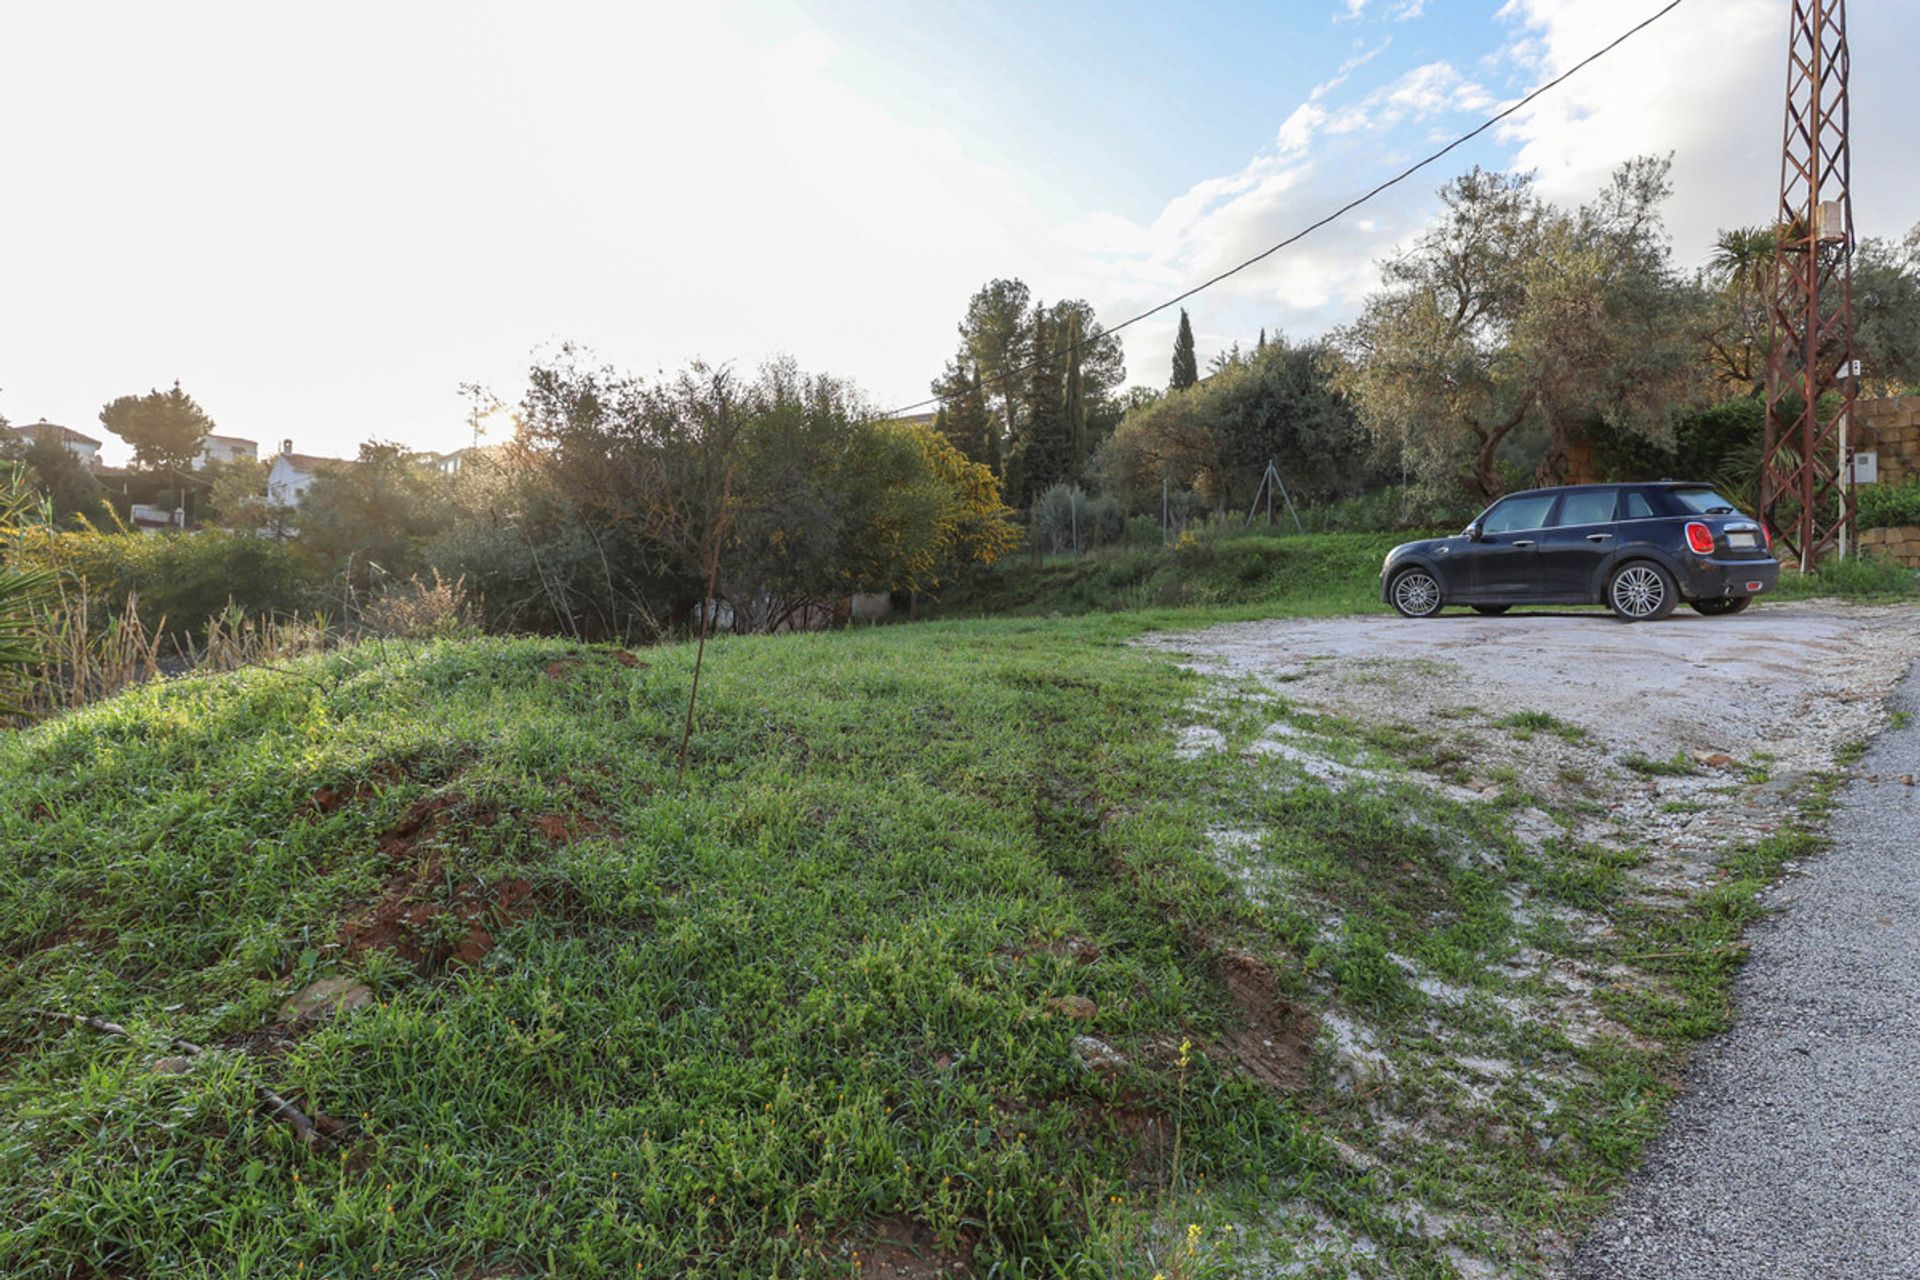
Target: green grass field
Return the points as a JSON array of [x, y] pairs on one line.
[[821, 1009], [1313, 574], [818, 994]]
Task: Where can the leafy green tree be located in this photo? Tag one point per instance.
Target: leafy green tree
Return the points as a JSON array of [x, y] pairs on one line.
[[236, 494], [964, 418], [1607, 330], [1276, 403], [993, 337], [371, 518], [165, 428], [1186, 366], [1886, 312], [72, 491], [813, 496], [1043, 452], [1511, 310]]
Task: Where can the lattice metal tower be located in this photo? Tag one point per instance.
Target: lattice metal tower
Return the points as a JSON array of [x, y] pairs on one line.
[[1806, 493]]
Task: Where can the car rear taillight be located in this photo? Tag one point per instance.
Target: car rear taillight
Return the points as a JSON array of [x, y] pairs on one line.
[[1768, 535], [1700, 538]]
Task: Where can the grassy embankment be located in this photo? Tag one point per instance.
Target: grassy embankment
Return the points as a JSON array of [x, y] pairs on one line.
[[1309, 575], [823, 998]]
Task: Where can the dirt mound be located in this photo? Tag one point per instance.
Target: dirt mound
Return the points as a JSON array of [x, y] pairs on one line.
[[1273, 1038]]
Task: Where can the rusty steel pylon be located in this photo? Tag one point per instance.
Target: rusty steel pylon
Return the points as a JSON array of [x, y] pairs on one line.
[[1806, 493]]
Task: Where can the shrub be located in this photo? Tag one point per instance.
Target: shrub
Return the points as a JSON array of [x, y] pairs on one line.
[[420, 609], [1889, 506], [185, 579], [1066, 517]]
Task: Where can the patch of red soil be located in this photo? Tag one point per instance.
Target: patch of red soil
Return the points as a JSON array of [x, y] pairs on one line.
[[1273, 1037], [561, 668], [418, 916], [70, 932], [418, 920], [627, 659], [1150, 1133], [901, 1249], [560, 828], [328, 800]]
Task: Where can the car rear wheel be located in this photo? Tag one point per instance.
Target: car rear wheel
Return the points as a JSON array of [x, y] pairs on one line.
[[1492, 610], [1415, 593], [1641, 591], [1721, 607]]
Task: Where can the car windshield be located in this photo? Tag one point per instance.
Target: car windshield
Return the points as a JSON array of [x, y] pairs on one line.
[[1704, 502]]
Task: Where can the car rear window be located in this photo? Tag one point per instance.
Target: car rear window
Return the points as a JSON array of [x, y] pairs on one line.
[[1513, 514], [1586, 508], [1704, 502]]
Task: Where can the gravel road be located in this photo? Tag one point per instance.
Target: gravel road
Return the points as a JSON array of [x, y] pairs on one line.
[[1796, 1149]]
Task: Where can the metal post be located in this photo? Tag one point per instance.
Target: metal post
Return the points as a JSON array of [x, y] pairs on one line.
[[1804, 496]]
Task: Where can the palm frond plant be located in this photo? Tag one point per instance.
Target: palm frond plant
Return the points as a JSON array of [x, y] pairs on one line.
[[20, 649]]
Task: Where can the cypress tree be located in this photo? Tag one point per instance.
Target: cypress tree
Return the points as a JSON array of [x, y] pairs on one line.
[[1045, 444], [1186, 366]]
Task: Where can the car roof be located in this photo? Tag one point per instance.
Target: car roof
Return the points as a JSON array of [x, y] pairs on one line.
[[1613, 484]]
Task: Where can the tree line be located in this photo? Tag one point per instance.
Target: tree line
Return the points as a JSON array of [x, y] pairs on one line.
[[1510, 331]]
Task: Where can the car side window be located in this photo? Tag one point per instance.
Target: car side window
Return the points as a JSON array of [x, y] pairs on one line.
[[1586, 508], [1511, 515], [1636, 507]]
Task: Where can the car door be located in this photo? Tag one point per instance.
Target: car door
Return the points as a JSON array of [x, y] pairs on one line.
[[1577, 543], [1503, 560]]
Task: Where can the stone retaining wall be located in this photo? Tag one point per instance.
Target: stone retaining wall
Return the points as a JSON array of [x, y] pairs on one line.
[[1891, 427], [1900, 544]]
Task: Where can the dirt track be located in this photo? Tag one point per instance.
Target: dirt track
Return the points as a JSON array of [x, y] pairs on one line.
[[1679, 740], [1777, 678], [1771, 696]]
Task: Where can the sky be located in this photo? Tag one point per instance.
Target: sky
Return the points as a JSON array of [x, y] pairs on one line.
[[323, 220]]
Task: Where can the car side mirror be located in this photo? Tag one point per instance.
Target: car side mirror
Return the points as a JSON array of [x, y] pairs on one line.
[[1474, 533]]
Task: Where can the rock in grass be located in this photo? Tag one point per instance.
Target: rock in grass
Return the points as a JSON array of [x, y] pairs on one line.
[[173, 1066], [1097, 1056], [1079, 1008], [325, 998]]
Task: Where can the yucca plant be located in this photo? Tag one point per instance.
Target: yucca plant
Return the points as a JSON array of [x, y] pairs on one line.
[[20, 506]]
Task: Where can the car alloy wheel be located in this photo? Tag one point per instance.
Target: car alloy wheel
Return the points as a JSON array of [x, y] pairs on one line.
[[1416, 594], [1641, 592]]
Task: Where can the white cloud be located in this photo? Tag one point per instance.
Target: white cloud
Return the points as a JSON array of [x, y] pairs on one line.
[[1704, 83]]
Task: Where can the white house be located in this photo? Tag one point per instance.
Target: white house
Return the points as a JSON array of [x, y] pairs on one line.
[[292, 474], [451, 464], [226, 449], [81, 446]]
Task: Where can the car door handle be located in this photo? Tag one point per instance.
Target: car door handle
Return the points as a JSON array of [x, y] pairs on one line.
[[1599, 537], [1523, 542]]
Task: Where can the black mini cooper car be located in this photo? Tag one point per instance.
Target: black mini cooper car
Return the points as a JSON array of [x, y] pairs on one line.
[[1640, 548]]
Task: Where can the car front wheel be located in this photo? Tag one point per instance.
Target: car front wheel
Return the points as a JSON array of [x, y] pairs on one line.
[[1641, 591], [1722, 606], [1415, 593]]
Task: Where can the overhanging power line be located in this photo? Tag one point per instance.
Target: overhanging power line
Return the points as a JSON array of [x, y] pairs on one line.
[[1342, 211]]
